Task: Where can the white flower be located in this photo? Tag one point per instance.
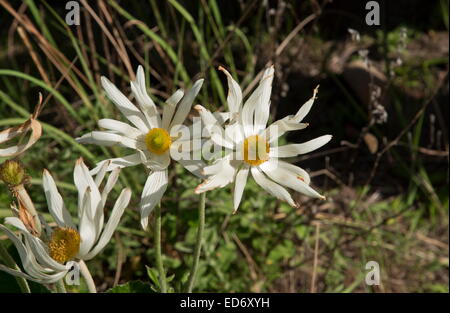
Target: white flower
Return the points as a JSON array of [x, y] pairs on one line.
[[151, 136], [47, 261], [248, 137]]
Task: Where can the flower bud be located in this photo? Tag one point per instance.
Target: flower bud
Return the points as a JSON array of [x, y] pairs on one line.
[[12, 173]]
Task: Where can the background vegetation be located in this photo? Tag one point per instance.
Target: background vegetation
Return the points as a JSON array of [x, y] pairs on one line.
[[386, 183]]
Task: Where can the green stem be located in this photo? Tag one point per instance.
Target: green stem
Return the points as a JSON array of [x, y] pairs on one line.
[[159, 262], [60, 288], [198, 244], [9, 262]]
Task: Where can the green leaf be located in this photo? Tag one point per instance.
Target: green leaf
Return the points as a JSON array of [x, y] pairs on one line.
[[135, 286]]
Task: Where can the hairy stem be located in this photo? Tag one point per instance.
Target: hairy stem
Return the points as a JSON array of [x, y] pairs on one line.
[[199, 240], [159, 262]]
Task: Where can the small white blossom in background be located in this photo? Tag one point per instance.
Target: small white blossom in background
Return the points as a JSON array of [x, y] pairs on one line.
[[354, 34]]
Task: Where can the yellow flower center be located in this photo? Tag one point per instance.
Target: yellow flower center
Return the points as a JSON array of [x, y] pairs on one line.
[[158, 140], [64, 244], [256, 150]]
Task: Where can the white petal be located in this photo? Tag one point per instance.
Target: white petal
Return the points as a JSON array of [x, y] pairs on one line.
[[104, 138], [154, 188], [262, 110], [131, 112], [155, 162], [305, 108], [55, 202], [116, 214], [83, 179], [280, 127], [194, 166], [112, 180], [272, 187], [47, 279], [129, 160], [239, 185], [300, 148], [84, 182], [184, 106], [288, 179], [222, 117], [298, 171], [234, 97], [222, 178], [211, 125], [27, 257], [121, 127], [87, 226], [170, 106], [255, 102], [235, 132], [146, 103], [41, 254]]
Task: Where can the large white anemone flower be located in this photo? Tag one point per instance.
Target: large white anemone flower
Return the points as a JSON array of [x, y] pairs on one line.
[[47, 260], [251, 146], [154, 138]]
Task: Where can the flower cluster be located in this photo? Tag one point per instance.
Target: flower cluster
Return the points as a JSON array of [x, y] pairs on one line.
[[245, 144]]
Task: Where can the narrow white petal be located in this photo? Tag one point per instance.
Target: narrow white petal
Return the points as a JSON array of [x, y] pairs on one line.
[[83, 179], [255, 102], [235, 132], [155, 162], [234, 97], [262, 110], [300, 148], [104, 138], [46, 279], [116, 214], [100, 175], [121, 127], [39, 250], [170, 106], [27, 257], [154, 188], [131, 112], [239, 185], [194, 166], [55, 202], [222, 117], [185, 104], [288, 179], [298, 171], [213, 127], [305, 108], [146, 103], [280, 127], [129, 160], [87, 226], [218, 180], [112, 180], [272, 187]]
